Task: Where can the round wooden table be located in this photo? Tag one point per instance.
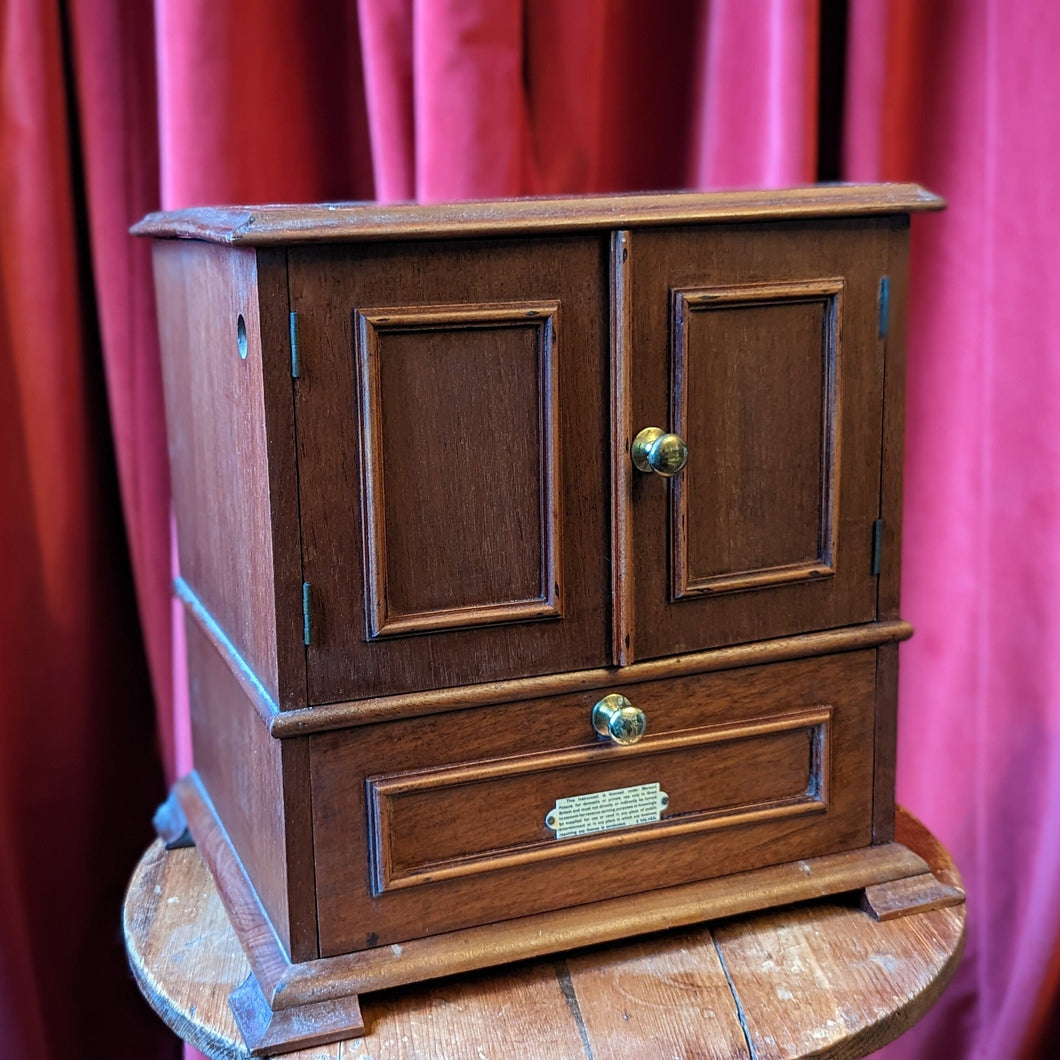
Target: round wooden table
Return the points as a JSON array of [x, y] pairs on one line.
[[822, 979]]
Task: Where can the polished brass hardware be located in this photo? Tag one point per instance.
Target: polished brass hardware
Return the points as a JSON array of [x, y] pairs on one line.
[[655, 450], [617, 719]]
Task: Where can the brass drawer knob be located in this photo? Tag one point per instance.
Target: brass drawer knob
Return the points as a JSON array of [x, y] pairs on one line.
[[617, 719], [655, 450]]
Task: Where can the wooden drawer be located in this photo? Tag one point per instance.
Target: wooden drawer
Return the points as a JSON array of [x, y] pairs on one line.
[[437, 823]]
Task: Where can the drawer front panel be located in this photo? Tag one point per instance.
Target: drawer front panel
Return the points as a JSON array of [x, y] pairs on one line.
[[439, 824], [435, 823]]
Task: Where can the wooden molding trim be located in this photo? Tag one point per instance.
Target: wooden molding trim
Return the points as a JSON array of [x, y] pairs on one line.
[[621, 439], [284, 724], [415, 704], [264, 225], [241, 670]]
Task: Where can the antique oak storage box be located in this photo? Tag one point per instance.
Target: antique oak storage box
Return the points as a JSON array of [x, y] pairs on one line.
[[540, 569]]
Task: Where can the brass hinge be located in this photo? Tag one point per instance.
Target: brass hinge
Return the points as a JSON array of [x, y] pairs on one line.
[[884, 306], [295, 362], [307, 614], [877, 545]]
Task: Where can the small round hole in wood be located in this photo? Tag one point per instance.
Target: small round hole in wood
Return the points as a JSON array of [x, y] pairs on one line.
[[241, 336]]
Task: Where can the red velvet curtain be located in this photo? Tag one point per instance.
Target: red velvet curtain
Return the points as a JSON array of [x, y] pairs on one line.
[[109, 109]]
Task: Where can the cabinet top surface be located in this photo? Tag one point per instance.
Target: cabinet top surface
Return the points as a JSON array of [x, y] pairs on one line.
[[362, 221]]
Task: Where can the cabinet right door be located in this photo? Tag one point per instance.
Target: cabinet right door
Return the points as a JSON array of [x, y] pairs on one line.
[[761, 347]]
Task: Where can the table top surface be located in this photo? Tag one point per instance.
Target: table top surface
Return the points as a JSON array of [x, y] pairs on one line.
[[822, 979]]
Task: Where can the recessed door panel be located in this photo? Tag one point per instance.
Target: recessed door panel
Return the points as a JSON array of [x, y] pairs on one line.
[[460, 455], [758, 345], [756, 397]]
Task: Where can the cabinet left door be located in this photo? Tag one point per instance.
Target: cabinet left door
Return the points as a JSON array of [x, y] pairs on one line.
[[451, 413]]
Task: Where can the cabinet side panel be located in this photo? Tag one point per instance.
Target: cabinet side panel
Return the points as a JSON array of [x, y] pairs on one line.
[[893, 419], [218, 453], [239, 764]]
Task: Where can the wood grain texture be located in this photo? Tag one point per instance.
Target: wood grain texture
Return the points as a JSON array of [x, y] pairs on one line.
[[893, 419], [371, 221], [278, 393], [662, 996], [240, 766], [885, 744], [218, 442], [440, 386], [798, 1001], [780, 521], [472, 819], [915, 894], [621, 467], [483, 423], [352, 916], [774, 402], [329, 717]]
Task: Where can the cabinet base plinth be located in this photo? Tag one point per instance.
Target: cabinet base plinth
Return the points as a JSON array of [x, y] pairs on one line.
[[268, 1031], [285, 1005]]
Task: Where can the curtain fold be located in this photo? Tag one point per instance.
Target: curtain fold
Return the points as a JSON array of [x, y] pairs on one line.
[[79, 770], [110, 108], [962, 96]]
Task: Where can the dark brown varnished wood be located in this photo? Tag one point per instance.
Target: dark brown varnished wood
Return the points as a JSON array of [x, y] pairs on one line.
[[761, 346], [885, 744], [893, 419], [389, 708], [259, 787], [215, 415], [735, 820], [473, 478], [348, 222]]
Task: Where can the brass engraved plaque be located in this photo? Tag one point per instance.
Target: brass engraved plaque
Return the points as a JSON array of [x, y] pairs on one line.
[[601, 811]]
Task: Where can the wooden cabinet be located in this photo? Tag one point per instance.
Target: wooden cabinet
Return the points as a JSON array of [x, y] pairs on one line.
[[416, 555]]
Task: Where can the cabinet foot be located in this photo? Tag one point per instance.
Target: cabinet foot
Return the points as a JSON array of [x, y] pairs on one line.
[[914, 894], [268, 1031], [171, 826]]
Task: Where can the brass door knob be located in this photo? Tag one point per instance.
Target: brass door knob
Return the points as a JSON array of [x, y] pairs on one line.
[[617, 719], [655, 450]]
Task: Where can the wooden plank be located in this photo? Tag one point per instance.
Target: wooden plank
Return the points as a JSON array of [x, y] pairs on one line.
[[213, 361], [871, 982], [519, 1011], [186, 959], [261, 225], [915, 894], [629, 998]]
